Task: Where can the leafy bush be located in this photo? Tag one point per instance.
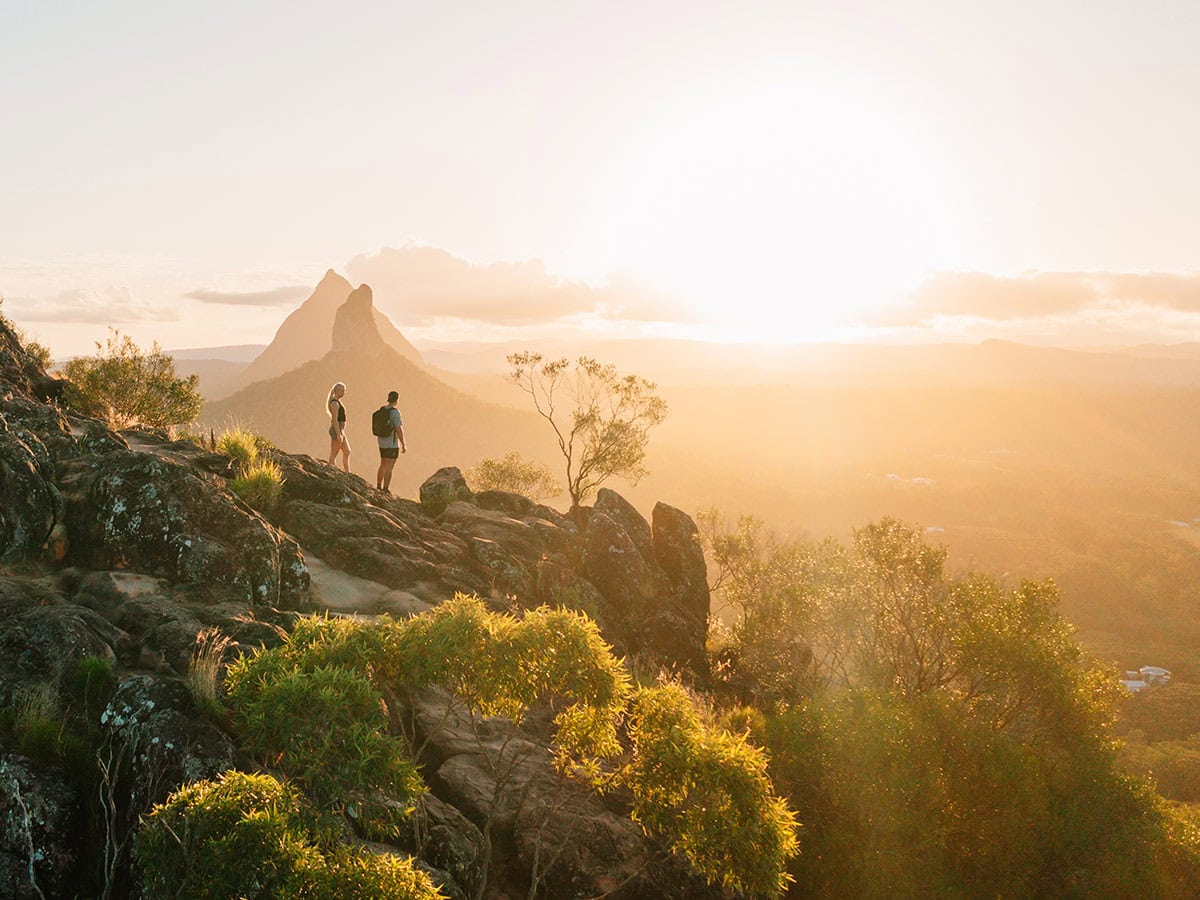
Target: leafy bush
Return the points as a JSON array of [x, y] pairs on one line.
[[125, 386], [251, 836], [513, 474], [362, 875], [707, 792], [324, 727], [259, 485]]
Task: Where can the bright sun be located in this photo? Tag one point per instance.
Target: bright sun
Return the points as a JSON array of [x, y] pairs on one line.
[[779, 204]]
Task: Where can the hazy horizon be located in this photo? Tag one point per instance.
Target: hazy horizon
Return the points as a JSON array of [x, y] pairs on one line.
[[767, 171]]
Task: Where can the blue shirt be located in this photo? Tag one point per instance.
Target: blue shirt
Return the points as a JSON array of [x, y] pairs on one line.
[[389, 439]]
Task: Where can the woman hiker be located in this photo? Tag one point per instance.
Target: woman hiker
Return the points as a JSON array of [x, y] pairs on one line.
[[338, 442]]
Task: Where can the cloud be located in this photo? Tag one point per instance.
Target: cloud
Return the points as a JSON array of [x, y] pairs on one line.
[[417, 282], [1042, 294], [111, 306], [280, 296]]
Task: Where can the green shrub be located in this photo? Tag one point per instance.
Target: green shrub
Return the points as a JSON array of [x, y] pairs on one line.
[[362, 875], [513, 474], [251, 836], [125, 386], [241, 445], [238, 836], [259, 485], [324, 727], [707, 792]]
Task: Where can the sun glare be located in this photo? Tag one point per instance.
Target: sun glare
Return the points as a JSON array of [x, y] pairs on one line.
[[779, 204]]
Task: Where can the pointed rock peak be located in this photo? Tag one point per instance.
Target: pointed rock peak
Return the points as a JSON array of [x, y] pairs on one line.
[[354, 325], [333, 278]]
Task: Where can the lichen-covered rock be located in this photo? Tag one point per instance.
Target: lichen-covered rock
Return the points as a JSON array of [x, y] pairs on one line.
[[40, 831], [42, 645], [153, 515], [442, 488], [47, 422], [31, 501], [153, 723]]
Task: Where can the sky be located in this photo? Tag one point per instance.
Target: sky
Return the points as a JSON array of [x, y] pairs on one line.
[[787, 171]]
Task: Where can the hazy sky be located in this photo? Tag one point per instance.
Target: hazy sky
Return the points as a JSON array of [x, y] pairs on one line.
[[796, 170]]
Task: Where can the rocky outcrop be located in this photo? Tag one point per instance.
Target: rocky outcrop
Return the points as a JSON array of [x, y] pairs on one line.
[[21, 373], [43, 639], [132, 546], [443, 487], [140, 511]]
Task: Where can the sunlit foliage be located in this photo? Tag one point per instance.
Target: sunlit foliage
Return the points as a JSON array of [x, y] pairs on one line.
[[944, 734], [515, 474], [707, 792], [251, 836], [126, 386]]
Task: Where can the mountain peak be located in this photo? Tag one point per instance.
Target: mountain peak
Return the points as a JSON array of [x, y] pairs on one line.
[[354, 327], [332, 278]]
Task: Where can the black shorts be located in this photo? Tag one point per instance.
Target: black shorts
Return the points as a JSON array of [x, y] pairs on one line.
[[389, 452]]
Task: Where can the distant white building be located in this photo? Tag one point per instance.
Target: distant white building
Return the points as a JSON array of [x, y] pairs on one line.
[[1154, 674]]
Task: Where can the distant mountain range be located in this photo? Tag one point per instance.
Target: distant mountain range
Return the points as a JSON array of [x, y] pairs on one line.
[[444, 426]]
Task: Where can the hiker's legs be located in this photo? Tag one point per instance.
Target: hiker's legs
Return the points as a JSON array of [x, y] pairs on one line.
[[385, 467]]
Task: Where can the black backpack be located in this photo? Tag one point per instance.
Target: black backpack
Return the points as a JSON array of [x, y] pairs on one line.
[[381, 422]]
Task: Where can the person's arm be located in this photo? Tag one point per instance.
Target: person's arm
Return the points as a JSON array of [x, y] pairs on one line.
[[400, 438], [333, 418]]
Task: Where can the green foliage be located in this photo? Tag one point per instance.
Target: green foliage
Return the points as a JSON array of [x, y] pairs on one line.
[[125, 386], [1167, 713], [312, 709], [324, 727], [600, 420], [91, 683], [362, 875], [1173, 766], [259, 485], [251, 836], [945, 735], [707, 792], [514, 474]]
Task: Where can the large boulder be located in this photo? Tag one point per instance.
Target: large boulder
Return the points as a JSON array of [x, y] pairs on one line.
[[442, 488], [626, 516], [629, 584], [40, 831], [680, 627], [154, 515], [43, 641]]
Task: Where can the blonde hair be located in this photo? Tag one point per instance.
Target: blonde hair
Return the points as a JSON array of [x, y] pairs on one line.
[[332, 391]]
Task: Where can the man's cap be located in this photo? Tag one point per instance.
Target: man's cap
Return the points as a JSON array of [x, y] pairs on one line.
[[393, 396]]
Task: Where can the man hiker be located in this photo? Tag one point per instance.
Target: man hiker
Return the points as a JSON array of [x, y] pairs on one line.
[[389, 431]]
